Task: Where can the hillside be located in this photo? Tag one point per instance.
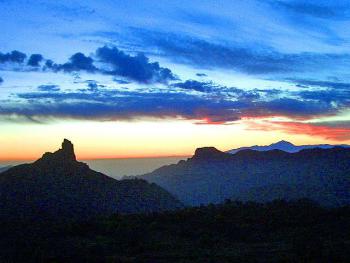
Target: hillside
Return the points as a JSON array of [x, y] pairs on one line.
[[58, 186], [233, 232], [211, 176], [5, 168]]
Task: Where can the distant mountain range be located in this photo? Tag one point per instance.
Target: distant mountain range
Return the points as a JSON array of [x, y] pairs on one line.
[[58, 186], [286, 147], [211, 176]]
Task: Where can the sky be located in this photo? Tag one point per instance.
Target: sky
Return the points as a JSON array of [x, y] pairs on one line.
[[160, 78]]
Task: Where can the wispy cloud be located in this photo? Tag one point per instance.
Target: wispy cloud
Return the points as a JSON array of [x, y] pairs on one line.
[[49, 87], [202, 102], [319, 9], [322, 130], [244, 58]]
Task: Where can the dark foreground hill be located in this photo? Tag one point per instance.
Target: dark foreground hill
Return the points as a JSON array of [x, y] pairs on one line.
[[211, 176], [287, 232], [58, 186]]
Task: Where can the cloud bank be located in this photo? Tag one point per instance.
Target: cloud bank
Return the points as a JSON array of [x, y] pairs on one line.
[[106, 60]]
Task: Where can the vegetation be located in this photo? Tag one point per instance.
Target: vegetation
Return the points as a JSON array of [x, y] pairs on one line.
[[279, 231]]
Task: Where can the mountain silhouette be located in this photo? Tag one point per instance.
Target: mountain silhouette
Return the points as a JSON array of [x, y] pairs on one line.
[[58, 186], [211, 176], [286, 147]]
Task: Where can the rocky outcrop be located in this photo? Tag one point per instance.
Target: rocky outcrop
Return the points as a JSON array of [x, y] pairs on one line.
[[57, 186]]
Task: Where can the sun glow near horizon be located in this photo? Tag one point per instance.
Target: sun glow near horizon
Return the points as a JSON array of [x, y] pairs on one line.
[[141, 139], [170, 77]]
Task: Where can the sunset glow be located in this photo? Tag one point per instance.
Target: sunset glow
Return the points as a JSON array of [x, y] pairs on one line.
[[216, 73], [153, 138]]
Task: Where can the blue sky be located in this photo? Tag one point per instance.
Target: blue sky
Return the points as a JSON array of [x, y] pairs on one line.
[[208, 62]]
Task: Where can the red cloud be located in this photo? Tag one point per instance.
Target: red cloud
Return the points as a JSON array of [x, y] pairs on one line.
[[319, 130]]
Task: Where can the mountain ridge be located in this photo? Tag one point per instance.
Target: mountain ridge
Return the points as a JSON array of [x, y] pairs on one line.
[[286, 146], [58, 186], [247, 175]]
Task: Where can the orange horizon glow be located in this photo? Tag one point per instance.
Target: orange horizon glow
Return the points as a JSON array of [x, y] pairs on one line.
[[80, 156], [31, 159], [157, 139]]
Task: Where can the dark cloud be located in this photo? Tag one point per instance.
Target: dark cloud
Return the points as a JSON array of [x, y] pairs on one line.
[[195, 85], [201, 75], [14, 57], [269, 92], [111, 61], [294, 108], [341, 97], [121, 81], [323, 91], [124, 105], [137, 68], [215, 107], [221, 91], [240, 94], [49, 87], [34, 60], [77, 62], [1, 80], [321, 83], [49, 64], [92, 85]]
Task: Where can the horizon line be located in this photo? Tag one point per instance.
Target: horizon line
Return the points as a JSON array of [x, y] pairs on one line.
[[102, 158]]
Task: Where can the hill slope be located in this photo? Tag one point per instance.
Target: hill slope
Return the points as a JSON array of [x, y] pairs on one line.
[[5, 168], [210, 175], [57, 185]]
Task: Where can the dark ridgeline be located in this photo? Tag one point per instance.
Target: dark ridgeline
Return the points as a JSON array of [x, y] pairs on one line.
[[57, 186], [211, 176]]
